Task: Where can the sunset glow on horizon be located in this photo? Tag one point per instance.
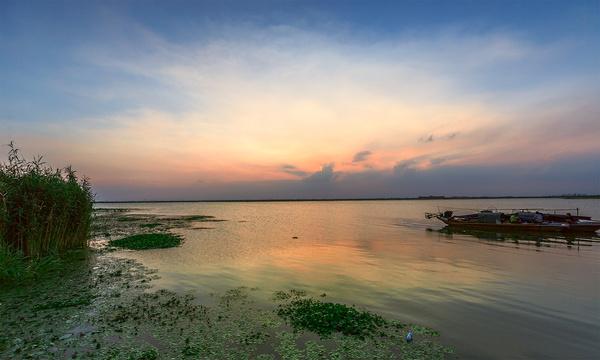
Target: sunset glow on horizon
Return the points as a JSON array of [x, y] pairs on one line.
[[297, 100]]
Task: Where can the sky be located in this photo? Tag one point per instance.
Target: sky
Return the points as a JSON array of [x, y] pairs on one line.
[[194, 100]]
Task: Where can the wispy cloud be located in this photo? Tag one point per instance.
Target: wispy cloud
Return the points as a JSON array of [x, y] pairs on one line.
[[361, 156], [426, 139], [237, 104], [293, 170], [432, 138], [556, 177]]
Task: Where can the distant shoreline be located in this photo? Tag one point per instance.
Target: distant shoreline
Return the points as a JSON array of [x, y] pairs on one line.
[[573, 197]]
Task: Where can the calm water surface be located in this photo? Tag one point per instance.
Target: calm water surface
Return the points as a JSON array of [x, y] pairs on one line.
[[490, 299]]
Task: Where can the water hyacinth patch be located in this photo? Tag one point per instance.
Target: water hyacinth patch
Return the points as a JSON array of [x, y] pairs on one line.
[[325, 318]]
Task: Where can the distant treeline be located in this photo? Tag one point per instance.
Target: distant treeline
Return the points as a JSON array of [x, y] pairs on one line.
[[576, 196]]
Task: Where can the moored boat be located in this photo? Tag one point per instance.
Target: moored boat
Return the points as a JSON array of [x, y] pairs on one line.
[[523, 220]]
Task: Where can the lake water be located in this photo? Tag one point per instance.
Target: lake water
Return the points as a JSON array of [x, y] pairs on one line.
[[490, 299]]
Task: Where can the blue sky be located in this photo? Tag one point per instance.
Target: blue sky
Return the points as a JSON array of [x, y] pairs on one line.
[[211, 99]]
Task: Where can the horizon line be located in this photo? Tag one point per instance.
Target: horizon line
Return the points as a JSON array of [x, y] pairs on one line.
[[433, 197]]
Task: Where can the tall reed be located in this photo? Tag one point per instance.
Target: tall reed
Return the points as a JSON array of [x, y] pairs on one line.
[[42, 210]]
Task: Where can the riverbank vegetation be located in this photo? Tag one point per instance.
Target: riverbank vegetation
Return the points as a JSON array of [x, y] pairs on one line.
[[15, 267], [44, 212]]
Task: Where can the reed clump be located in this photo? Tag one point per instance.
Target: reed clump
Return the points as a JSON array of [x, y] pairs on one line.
[[43, 210]]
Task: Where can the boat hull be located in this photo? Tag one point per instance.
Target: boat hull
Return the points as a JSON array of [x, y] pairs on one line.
[[539, 228], [584, 227]]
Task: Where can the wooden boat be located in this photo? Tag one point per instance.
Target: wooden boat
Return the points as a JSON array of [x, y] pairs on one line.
[[523, 220]]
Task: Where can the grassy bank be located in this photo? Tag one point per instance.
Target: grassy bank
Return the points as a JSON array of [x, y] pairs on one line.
[[43, 212], [15, 267]]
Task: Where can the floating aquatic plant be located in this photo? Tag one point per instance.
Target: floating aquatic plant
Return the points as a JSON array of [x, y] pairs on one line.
[[198, 217], [325, 318]]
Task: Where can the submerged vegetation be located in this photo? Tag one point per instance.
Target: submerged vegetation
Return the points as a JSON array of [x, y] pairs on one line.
[[115, 223], [121, 229], [148, 241], [101, 307], [43, 212]]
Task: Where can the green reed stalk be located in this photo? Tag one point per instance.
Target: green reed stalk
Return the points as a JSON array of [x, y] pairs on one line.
[[42, 210]]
